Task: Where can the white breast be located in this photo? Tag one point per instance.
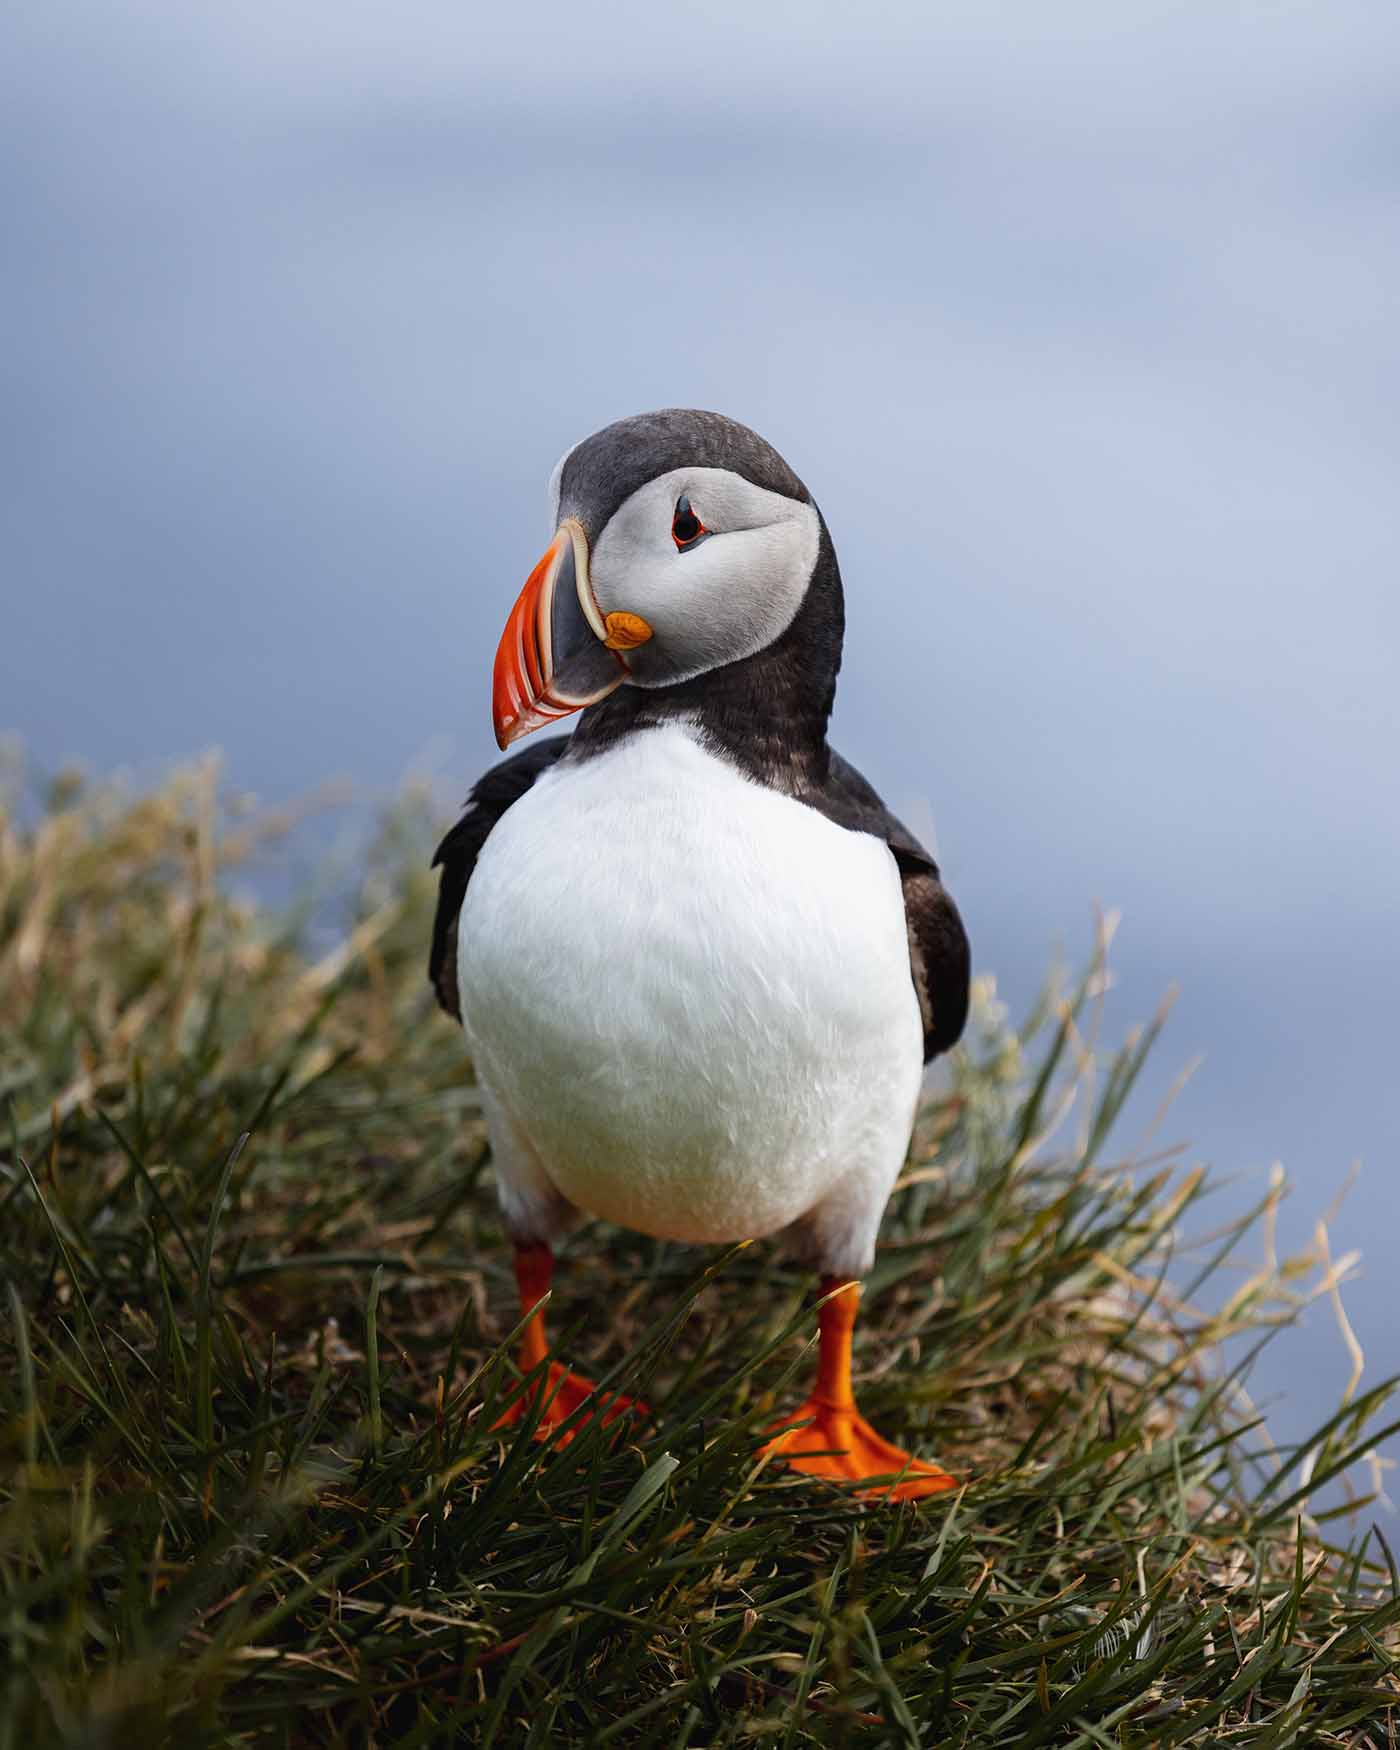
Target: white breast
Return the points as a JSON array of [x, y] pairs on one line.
[[689, 999]]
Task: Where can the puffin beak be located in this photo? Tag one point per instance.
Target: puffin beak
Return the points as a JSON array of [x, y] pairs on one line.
[[558, 653]]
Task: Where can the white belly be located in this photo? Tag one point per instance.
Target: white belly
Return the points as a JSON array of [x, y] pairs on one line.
[[690, 995]]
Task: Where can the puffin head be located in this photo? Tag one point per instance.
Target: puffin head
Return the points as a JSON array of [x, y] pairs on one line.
[[683, 543]]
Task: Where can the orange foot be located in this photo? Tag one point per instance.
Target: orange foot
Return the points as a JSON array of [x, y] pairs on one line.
[[841, 1444], [572, 1391]]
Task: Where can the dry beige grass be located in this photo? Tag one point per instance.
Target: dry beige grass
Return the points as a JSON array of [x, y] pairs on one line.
[[248, 1487]]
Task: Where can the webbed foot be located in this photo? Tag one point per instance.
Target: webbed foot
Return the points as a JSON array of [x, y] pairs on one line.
[[564, 1392], [840, 1444]]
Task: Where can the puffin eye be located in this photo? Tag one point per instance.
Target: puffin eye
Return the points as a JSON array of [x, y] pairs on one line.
[[686, 527]]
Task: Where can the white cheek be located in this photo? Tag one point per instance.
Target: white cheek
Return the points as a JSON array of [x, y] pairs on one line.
[[722, 601], [744, 587]]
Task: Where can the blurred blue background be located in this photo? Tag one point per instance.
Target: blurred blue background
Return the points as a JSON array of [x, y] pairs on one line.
[[1079, 320]]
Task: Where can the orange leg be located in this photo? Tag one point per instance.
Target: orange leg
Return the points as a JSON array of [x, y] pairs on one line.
[[837, 1441], [562, 1390]]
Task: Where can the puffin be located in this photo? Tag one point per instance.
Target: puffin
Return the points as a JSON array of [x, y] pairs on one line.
[[700, 966]]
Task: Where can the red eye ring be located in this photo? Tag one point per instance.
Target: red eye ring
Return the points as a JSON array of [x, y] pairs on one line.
[[686, 527]]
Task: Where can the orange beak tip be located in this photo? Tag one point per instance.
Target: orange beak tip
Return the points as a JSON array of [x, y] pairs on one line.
[[557, 654]]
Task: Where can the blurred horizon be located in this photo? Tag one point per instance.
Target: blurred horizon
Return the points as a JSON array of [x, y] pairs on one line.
[[1080, 329]]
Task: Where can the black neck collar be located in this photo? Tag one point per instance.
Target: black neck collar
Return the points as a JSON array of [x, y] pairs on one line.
[[767, 713]]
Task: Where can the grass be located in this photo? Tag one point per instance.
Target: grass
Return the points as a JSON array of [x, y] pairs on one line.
[[257, 1325]]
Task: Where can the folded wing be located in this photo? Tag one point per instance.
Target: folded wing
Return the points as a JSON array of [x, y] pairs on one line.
[[491, 796]]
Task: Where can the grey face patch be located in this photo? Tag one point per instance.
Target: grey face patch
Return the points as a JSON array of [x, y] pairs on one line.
[[602, 472], [582, 669], [719, 599], [569, 631]]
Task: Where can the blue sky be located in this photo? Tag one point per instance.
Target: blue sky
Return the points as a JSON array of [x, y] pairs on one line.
[[1079, 322]]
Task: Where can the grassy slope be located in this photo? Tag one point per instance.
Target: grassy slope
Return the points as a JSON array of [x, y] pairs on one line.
[[248, 1487]]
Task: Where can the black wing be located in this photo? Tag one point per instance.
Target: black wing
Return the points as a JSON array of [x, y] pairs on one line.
[[457, 854], [939, 956]]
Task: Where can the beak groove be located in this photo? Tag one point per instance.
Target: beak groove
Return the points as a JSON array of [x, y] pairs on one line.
[[557, 653]]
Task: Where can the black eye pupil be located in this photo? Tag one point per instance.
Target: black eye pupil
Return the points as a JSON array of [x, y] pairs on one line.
[[685, 525]]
